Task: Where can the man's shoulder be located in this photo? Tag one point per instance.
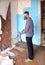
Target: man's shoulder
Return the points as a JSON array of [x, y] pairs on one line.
[[30, 18]]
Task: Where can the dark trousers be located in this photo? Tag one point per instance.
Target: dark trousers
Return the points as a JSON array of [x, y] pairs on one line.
[[30, 47]]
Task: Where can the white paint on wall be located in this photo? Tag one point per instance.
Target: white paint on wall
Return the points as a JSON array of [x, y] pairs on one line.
[[39, 20], [13, 21], [3, 8], [22, 4]]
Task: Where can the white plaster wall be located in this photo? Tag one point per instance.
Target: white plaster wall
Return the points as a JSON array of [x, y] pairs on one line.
[[39, 20], [13, 21], [3, 8], [22, 4]]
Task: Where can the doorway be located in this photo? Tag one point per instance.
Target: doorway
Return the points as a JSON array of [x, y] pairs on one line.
[[43, 23]]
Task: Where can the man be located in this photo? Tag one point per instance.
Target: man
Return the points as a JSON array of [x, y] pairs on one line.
[[29, 31]]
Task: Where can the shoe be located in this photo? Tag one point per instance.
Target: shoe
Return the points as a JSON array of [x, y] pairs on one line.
[[28, 60]]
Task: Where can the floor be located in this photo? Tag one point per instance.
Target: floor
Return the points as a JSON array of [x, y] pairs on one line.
[[39, 57]]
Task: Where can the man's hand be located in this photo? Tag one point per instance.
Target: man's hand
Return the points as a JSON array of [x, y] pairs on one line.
[[19, 33]]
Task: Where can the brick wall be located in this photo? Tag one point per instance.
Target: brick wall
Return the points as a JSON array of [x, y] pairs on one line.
[[6, 29]]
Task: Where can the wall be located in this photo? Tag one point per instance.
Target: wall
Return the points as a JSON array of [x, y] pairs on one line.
[[3, 11], [5, 14], [3, 8], [17, 20], [14, 10], [6, 28], [33, 10]]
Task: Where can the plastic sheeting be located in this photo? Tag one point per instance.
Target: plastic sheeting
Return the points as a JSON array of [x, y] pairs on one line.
[[6, 61]]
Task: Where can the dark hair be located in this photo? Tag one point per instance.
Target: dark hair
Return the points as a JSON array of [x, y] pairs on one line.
[[26, 12]]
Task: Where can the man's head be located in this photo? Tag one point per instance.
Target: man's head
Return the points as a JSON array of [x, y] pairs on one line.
[[26, 15]]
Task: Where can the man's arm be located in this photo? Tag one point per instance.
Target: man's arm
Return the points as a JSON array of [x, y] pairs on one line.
[[26, 28]]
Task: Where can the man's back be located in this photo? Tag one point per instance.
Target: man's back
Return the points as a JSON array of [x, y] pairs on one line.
[[30, 26]]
